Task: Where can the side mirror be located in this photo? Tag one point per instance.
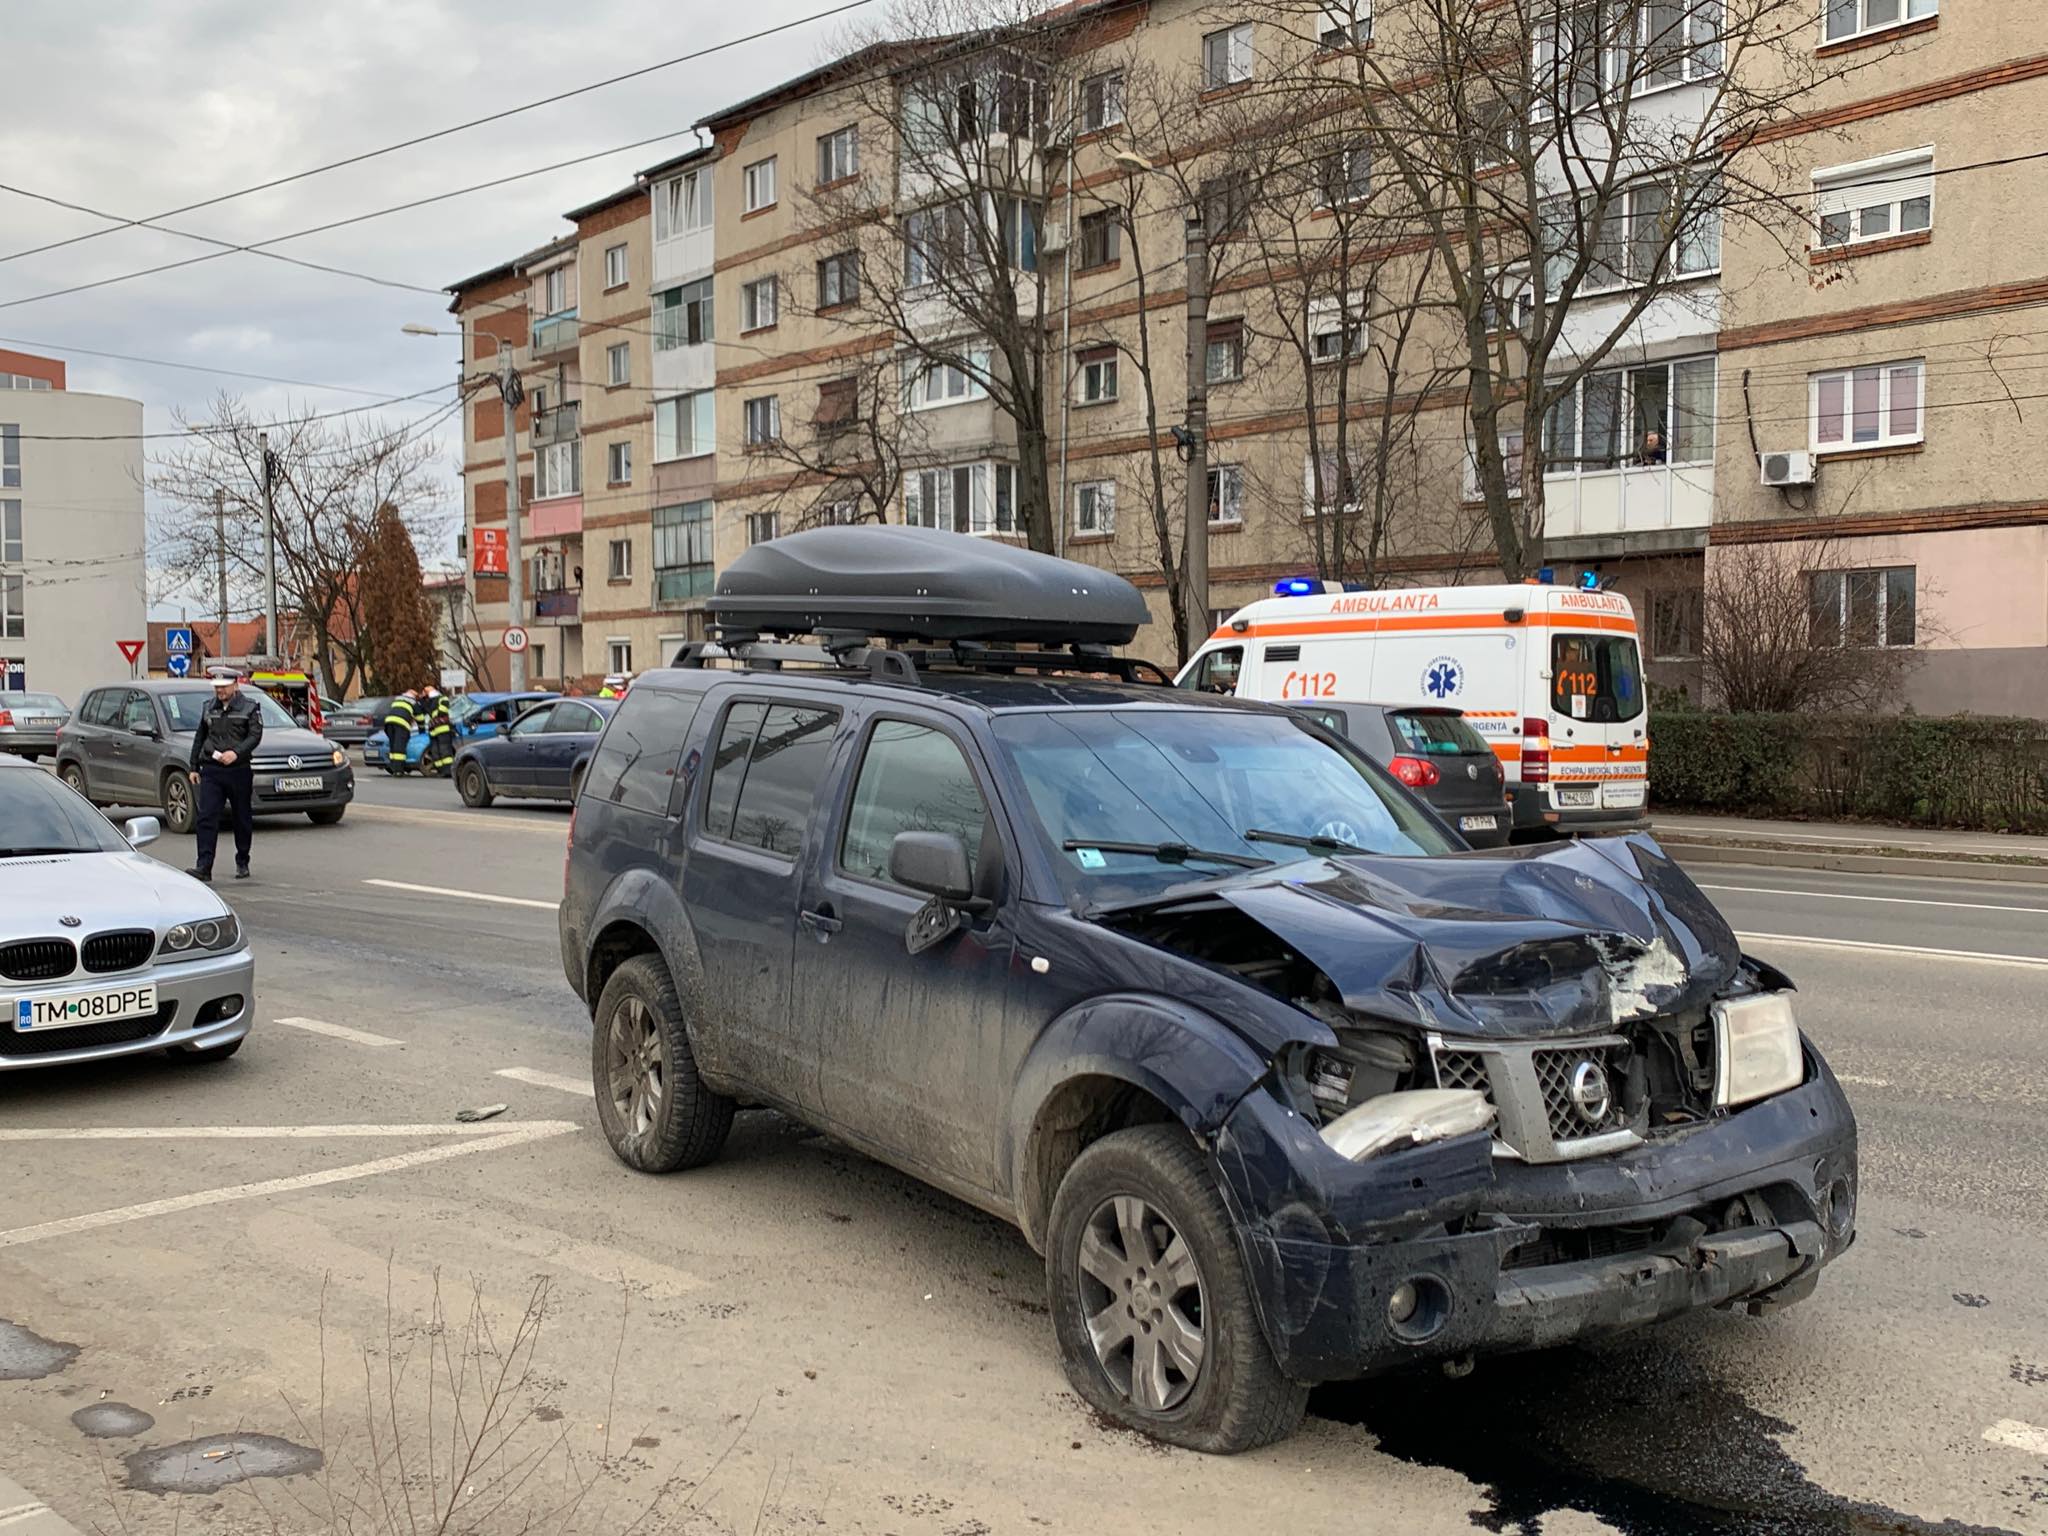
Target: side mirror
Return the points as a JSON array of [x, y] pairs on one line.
[[143, 730], [934, 863], [143, 830]]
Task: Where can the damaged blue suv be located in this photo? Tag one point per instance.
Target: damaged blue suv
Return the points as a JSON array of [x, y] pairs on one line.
[[1286, 1083]]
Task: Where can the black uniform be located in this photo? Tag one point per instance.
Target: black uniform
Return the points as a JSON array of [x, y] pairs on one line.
[[234, 724]]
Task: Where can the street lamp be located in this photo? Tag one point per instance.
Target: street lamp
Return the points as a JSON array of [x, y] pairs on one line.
[[511, 392], [1131, 163]]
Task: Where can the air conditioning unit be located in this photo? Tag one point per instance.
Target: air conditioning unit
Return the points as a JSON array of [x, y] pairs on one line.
[[1052, 237], [1783, 469]]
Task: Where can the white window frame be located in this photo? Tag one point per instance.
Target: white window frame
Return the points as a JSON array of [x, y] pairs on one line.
[[1908, 11], [557, 291], [1624, 277], [1226, 501], [1625, 420], [618, 362], [931, 386], [619, 653], [10, 456], [1840, 580], [11, 537], [1354, 192], [1101, 101], [761, 420], [619, 560], [757, 183], [618, 463], [1701, 54], [1095, 509], [1227, 56], [845, 266], [672, 321], [760, 304], [1511, 456], [838, 155], [558, 470], [1331, 318], [698, 410], [1887, 182], [617, 266], [1095, 381], [682, 204], [1310, 511], [1344, 26], [756, 521], [1232, 323], [1847, 379], [931, 497]]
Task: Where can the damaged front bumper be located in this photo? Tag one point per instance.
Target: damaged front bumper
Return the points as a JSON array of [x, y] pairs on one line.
[[1447, 1250]]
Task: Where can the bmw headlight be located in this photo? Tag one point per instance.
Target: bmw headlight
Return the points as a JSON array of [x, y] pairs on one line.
[[202, 936], [1756, 1048]]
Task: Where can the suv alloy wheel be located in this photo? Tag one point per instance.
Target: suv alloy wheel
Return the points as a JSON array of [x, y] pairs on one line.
[[181, 809], [656, 1112], [73, 774], [1150, 1303]]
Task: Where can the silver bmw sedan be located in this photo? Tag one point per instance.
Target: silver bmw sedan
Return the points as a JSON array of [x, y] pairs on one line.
[[103, 951]]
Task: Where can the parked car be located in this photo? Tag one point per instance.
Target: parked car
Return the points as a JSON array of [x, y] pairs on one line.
[[131, 744], [29, 723], [1434, 752], [475, 717], [350, 725], [541, 756], [1183, 986], [103, 950]]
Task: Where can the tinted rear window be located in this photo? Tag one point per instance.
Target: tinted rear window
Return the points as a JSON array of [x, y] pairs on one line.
[[1437, 735], [48, 701], [783, 774], [635, 765]]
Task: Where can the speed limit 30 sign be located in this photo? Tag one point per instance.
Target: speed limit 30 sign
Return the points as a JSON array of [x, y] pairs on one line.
[[515, 638]]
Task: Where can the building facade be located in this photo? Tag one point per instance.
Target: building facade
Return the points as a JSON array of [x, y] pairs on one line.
[[72, 579]]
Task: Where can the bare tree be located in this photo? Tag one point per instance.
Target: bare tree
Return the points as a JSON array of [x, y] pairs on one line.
[[331, 478], [845, 462]]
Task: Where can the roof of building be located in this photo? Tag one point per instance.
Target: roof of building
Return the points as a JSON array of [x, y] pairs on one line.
[[677, 162], [610, 199], [808, 83], [554, 247]]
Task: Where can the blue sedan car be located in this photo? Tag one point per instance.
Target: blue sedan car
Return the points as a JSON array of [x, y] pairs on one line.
[[542, 756], [474, 716]]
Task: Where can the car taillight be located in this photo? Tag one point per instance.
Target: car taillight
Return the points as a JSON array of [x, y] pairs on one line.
[[1415, 772], [6, 717], [1535, 750]]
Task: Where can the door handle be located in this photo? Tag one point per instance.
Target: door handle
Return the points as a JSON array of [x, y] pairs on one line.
[[821, 924]]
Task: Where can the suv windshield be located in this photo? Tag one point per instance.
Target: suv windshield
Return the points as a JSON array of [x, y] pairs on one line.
[[184, 709], [1201, 779], [39, 815]]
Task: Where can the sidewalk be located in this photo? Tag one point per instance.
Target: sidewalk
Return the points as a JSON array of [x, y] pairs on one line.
[[1855, 846], [23, 1514]]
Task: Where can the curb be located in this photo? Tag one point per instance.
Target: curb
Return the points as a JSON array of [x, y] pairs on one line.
[[23, 1514], [1931, 866]]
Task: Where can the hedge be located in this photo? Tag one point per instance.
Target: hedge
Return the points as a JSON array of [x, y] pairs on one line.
[[1984, 772]]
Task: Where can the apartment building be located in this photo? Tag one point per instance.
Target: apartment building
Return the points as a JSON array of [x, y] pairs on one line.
[[71, 530]]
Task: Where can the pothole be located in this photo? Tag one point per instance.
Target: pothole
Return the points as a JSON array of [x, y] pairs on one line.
[[112, 1421], [26, 1356], [215, 1462]]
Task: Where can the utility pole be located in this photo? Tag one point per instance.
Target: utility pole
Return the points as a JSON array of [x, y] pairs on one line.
[[269, 545], [220, 535], [511, 391], [1195, 539]]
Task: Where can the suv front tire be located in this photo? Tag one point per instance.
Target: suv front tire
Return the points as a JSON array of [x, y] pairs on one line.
[[1150, 1304], [656, 1111]]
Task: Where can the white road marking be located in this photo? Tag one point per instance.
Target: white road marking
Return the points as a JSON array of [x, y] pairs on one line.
[[2021, 1436], [22, 1512], [340, 1031], [251, 1132], [442, 890], [1863, 1082], [67, 1226], [1899, 901], [548, 1080], [1913, 951]]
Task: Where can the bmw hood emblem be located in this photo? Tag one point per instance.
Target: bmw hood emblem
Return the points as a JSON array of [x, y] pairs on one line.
[[71, 922]]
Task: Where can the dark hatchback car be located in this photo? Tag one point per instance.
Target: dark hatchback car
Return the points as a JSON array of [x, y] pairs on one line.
[[1434, 752], [1277, 1106], [541, 756], [131, 744]]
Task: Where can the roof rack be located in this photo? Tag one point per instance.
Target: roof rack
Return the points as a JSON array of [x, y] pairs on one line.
[[908, 665]]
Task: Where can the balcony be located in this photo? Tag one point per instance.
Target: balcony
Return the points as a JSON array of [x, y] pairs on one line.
[[562, 424], [1635, 499], [555, 334], [564, 607], [680, 585]]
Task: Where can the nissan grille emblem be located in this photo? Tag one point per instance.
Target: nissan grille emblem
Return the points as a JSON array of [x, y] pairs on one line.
[[294, 762], [71, 922], [1591, 1096]]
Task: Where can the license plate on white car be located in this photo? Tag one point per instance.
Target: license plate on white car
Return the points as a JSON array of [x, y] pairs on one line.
[[310, 785], [1478, 823], [75, 1008]]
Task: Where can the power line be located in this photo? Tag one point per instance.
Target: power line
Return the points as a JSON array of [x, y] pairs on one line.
[[206, 429], [442, 133], [161, 362]]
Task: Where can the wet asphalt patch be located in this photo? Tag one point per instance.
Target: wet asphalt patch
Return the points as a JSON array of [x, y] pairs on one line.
[[26, 1356], [215, 1462], [112, 1421], [1642, 1438]]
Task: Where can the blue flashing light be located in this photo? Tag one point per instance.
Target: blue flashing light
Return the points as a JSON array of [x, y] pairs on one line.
[[1590, 580], [1297, 586], [1547, 575]]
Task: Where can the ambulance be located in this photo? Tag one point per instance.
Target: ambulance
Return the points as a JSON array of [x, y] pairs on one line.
[[1550, 677]]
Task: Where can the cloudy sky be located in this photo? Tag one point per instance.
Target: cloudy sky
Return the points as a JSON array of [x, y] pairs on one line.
[[132, 107]]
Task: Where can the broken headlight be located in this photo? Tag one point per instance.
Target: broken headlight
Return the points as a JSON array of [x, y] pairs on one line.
[[1756, 1048], [1365, 1064], [1407, 1119]]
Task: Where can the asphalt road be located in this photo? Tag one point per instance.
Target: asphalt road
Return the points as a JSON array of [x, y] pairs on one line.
[[798, 1339]]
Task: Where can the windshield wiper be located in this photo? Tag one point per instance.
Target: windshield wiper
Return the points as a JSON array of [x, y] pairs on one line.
[[1297, 840], [1167, 853], [25, 853]]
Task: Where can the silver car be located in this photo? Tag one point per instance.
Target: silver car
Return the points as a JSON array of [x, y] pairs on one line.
[[29, 722], [104, 951]]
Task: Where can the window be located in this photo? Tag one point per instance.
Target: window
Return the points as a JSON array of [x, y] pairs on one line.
[[1018, 221], [1217, 671], [1595, 677], [1101, 238], [765, 774], [557, 296], [1336, 327], [763, 417], [1633, 238], [1102, 101], [1097, 370], [1337, 493], [10, 533], [758, 304], [935, 241], [838, 155], [1225, 359], [683, 316], [621, 560], [1592, 48], [929, 384], [618, 363], [1344, 176], [1226, 494], [10, 456], [1875, 407], [619, 658], [1848, 18], [838, 404], [1226, 204], [839, 279], [1875, 199], [618, 463], [11, 620], [758, 183], [615, 266], [558, 470], [1227, 57], [1676, 618], [1875, 607], [967, 498], [1345, 25], [635, 766], [1095, 507], [1510, 447], [685, 426], [1508, 303], [912, 779], [682, 551], [1659, 414], [763, 526], [682, 205]]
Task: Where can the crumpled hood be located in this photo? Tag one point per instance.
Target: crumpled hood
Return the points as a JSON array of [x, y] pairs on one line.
[[1558, 938]]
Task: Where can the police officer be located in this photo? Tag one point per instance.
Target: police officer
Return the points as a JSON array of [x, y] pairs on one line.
[[223, 766], [439, 757], [400, 719]]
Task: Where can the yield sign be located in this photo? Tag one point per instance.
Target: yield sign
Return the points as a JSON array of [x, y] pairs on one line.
[[131, 649]]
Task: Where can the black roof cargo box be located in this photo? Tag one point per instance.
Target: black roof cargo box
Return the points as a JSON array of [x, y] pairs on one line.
[[894, 583]]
